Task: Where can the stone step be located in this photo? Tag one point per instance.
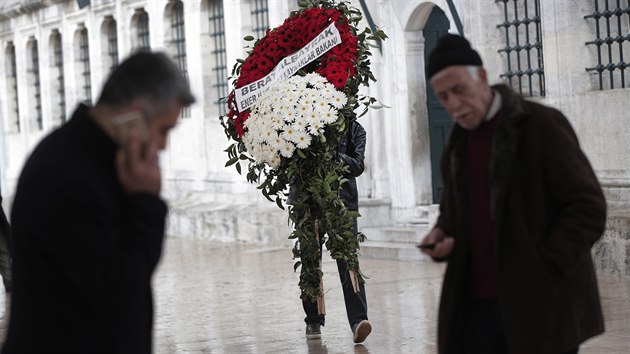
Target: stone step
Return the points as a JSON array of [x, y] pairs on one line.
[[611, 254], [375, 212], [400, 234], [401, 251], [262, 224]]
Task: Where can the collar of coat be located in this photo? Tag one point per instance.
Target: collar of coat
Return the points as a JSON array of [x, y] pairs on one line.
[[506, 138]]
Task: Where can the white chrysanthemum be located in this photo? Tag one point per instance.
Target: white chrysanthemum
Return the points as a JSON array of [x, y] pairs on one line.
[[287, 149], [304, 109], [315, 79], [274, 162], [312, 117], [267, 153], [288, 133], [329, 116], [312, 95], [315, 128], [281, 108], [327, 92], [306, 100], [339, 100], [289, 115], [303, 140], [276, 142], [249, 142], [276, 123], [269, 134], [321, 104], [290, 99], [300, 125]]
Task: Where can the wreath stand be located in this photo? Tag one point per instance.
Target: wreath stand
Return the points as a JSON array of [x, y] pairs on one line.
[[354, 278]]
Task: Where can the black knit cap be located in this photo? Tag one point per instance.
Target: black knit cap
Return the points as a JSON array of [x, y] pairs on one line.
[[450, 50]]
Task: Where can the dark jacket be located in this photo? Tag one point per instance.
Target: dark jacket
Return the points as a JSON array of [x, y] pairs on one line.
[[548, 210], [351, 150], [83, 250]]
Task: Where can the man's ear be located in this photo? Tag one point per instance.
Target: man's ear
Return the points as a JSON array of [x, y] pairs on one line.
[[483, 75]]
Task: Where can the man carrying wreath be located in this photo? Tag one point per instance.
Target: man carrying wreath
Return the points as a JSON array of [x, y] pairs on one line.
[[351, 151]]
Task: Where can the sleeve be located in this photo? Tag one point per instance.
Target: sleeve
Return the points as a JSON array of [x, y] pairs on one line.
[[576, 194], [355, 159]]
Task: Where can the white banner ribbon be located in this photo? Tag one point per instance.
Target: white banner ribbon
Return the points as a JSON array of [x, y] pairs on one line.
[[326, 40]]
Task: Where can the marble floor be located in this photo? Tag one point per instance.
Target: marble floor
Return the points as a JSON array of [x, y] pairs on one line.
[[217, 298], [236, 299]]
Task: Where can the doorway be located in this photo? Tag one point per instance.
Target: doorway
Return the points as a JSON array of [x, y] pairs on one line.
[[440, 122]]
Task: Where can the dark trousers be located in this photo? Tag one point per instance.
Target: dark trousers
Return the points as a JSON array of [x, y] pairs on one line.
[[356, 304], [483, 332]]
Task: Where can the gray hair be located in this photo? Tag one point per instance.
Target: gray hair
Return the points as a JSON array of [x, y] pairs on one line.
[[473, 70], [149, 77]]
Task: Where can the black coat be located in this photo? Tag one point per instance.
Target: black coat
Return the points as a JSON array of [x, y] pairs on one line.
[[83, 250], [548, 209], [351, 150]]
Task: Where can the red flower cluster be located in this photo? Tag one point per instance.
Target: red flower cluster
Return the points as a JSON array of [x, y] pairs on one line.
[[336, 65]]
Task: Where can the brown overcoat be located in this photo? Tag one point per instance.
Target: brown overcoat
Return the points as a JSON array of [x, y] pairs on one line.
[[548, 209]]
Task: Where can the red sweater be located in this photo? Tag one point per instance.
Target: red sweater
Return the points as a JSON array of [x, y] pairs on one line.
[[482, 238]]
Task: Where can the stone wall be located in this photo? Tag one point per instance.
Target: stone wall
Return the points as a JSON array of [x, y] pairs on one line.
[[612, 253]]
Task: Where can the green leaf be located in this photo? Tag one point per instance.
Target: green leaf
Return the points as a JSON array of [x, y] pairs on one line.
[[249, 38], [231, 161], [279, 203]]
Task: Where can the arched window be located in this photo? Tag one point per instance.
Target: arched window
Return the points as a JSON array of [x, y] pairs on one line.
[[112, 42], [141, 24], [35, 89], [85, 79], [523, 47], [260, 17], [12, 89], [57, 78], [178, 42], [219, 59]]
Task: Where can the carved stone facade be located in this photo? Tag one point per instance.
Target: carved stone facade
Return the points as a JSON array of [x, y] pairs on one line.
[[396, 190]]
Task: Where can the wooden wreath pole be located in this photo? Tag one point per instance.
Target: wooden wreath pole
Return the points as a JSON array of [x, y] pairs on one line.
[[354, 278], [321, 304]]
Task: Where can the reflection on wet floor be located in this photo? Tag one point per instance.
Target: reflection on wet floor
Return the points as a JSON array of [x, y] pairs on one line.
[[216, 298]]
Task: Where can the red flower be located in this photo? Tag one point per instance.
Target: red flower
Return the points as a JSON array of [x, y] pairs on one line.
[[337, 65]]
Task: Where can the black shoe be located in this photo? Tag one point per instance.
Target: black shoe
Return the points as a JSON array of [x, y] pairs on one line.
[[313, 331], [361, 330]]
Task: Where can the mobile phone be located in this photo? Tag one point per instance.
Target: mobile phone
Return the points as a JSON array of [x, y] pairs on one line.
[[133, 122], [426, 246]]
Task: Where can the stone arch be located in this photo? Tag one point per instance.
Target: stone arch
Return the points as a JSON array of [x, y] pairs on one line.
[[422, 164]]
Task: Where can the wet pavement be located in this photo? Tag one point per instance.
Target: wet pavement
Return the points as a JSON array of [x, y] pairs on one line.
[[217, 298]]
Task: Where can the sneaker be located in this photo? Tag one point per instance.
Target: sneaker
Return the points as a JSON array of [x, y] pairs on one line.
[[361, 330], [313, 331]]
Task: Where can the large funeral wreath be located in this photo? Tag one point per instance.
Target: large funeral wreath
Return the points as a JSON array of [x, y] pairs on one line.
[[287, 134]]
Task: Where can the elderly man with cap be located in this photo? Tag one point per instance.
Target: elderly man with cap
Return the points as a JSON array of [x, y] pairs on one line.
[[520, 211]]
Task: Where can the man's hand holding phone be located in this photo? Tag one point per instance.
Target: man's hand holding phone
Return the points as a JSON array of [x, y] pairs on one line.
[[137, 160], [437, 244]]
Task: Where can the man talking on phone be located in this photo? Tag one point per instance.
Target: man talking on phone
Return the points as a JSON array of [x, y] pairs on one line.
[[88, 220], [520, 211]]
